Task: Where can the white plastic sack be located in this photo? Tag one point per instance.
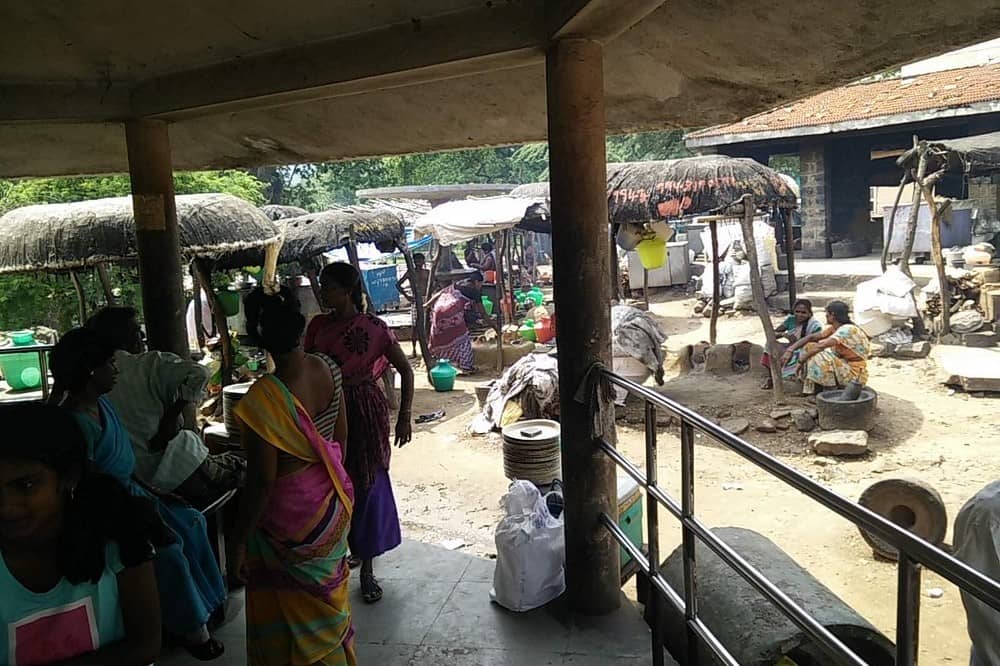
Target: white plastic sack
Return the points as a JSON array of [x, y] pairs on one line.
[[531, 551]]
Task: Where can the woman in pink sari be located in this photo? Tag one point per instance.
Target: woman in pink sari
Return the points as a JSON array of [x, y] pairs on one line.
[[291, 534], [362, 345]]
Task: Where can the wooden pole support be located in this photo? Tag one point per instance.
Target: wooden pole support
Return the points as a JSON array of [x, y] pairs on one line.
[[199, 319], [498, 251], [81, 296], [790, 257], [157, 235], [760, 303], [419, 326], [204, 269], [102, 275], [578, 188], [713, 324], [944, 290]]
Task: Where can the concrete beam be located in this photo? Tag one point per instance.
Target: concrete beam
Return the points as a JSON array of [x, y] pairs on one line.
[[493, 37], [599, 20], [57, 102]]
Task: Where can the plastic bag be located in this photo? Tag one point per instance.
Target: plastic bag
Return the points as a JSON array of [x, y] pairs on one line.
[[531, 551]]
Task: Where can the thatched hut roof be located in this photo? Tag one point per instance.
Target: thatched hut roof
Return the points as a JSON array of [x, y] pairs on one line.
[[640, 192], [310, 235], [278, 212], [59, 237]]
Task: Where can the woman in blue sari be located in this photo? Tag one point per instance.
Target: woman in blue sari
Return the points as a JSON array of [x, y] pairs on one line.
[[190, 583]]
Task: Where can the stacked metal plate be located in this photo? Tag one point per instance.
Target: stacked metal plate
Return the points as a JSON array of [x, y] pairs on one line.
[[532, 452], [231, 395]]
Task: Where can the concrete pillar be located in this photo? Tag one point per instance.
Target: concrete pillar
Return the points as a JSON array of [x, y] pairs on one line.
[[157, 238], [580, 248], [815, 200]]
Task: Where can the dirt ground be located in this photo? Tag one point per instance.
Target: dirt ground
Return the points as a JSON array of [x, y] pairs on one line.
[[448, 483]]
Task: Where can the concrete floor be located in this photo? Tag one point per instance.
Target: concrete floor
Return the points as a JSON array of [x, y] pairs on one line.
[[437, 611]]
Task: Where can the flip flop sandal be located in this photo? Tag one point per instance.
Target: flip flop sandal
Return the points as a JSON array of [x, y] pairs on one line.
[[207, 651], [373, 593]]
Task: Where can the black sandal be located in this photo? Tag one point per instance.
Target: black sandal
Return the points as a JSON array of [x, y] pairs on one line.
[[207, 651], [371, 591]]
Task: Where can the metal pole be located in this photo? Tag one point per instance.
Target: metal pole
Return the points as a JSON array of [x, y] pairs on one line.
[[688, 539], [907, 611], [654, 603]]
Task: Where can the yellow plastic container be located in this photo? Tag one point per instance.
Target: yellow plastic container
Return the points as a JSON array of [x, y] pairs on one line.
[[652, 253]]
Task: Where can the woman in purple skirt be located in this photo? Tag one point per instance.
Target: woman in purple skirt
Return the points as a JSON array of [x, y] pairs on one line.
[[364, 347]]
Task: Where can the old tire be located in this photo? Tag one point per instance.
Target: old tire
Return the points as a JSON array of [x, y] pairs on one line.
[[851, 415], [911, 504]]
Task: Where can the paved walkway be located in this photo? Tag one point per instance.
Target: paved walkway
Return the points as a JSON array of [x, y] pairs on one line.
[[437, 611]]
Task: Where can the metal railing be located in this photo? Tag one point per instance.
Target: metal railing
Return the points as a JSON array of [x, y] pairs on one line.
[[913, 551], [43, 362]]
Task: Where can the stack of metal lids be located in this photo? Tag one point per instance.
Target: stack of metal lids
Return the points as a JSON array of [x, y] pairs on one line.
[[531, 451], [230, 396]]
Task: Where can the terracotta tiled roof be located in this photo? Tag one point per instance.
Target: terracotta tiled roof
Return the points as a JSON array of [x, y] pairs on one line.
[[860, 101]]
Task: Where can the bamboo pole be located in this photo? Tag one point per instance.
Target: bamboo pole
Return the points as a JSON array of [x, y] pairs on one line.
[[204, 269], [760, 302], [892, 222], [81, 296], [616, 278], [498, 249], [790, 257], [102, 275], [432, 277], [352, 256], [199, 319], [645, 287], [419, 325], [713, 325], [911, 225], [943, 288]]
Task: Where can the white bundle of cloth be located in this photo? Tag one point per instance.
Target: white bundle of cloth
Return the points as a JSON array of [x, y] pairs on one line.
[[533, 381], [635, 333]]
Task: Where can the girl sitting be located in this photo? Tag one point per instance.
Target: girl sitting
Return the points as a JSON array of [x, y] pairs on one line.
[[76, 575]]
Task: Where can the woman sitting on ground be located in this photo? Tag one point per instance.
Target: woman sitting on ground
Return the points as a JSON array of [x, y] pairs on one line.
[[835, 356], [291, 535], [800, 324], [77, 584], [191, 586], [452, 310]]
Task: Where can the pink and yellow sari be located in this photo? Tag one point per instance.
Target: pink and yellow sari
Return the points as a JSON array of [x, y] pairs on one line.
[[298, 611]]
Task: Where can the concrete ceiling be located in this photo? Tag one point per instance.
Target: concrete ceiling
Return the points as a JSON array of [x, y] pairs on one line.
[[250, 82]]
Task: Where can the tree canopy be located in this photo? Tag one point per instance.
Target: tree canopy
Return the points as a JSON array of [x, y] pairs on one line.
[[27, 300]]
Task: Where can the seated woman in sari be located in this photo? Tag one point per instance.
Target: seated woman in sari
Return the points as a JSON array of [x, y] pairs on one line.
[[798, 325], [835, 356], [188, 577], [291, 534], [451, 310]]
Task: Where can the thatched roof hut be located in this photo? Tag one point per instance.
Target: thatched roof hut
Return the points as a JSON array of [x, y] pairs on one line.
[[310, 235], [63, 237], [276, 212]]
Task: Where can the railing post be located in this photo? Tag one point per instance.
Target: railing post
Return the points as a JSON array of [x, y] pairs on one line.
[[655, 604], [907, 611], [689, 540]]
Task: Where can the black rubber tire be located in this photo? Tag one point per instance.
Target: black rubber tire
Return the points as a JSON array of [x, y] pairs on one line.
[[905, 501]]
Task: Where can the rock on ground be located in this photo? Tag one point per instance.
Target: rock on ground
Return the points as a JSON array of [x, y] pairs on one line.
[[780, 413], [803, 420], [839, 442], [736, 425], [766, 425], [918, 349]]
